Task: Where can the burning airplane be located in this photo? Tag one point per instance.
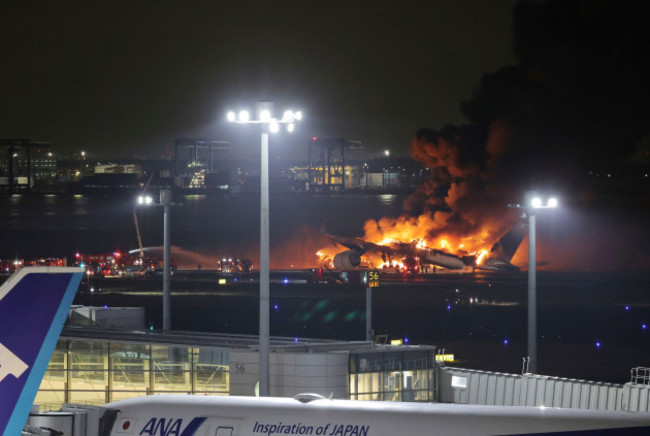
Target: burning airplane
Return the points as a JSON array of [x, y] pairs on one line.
[[408, 256]]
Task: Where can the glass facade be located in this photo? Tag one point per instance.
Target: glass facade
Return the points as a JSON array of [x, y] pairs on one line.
[[393, 375], [96, 372]]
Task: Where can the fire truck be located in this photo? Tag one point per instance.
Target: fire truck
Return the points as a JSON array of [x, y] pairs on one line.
[[235, 265], [9, 266], [119, 264]]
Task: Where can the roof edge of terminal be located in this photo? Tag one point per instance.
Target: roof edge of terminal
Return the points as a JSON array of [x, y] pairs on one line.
[[241, 341]]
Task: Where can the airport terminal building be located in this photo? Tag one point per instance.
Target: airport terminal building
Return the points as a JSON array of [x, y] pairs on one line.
[[95, 366]]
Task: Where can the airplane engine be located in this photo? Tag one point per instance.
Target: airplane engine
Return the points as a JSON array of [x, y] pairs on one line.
[[347, 260]]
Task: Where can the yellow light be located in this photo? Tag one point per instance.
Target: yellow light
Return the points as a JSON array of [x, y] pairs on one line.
[[444, 357], [222, 281], [396, 342]]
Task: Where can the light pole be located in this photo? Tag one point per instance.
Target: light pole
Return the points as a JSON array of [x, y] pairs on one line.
[[387, 153], [533, 203], [165, 202], [268, 124]]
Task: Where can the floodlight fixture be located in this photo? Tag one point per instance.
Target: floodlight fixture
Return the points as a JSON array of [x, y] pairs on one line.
[[538, 203], [265, 117]]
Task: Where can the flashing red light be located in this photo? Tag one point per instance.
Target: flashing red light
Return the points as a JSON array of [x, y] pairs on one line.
[[315, 138], [117, 254]]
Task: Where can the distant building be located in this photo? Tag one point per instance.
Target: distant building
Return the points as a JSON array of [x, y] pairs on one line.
[[202, 163], [118, 169], [25, 164]]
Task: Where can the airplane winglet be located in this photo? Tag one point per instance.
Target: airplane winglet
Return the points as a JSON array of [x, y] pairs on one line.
[[34, 303]]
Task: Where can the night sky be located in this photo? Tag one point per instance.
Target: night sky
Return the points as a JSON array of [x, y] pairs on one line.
[[125, 78]]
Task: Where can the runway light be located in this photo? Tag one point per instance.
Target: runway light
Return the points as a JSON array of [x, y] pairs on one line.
[[406, 340], [598, 345], [449, 307], [286, 281], [505, 341], [276, 307], [644, 326], [627, 308], [295, 339]]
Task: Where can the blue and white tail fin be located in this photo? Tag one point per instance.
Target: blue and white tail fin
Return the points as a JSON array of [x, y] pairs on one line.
[[34, 303]]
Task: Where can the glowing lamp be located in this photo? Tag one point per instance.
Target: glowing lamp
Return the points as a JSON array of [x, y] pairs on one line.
[[536, 202], [274, 127], [552, 202], [231, 116], [288, 116], [244, 116], [265, 115]]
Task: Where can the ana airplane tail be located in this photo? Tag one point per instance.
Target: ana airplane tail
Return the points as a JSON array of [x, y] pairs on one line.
[[34, 302]]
